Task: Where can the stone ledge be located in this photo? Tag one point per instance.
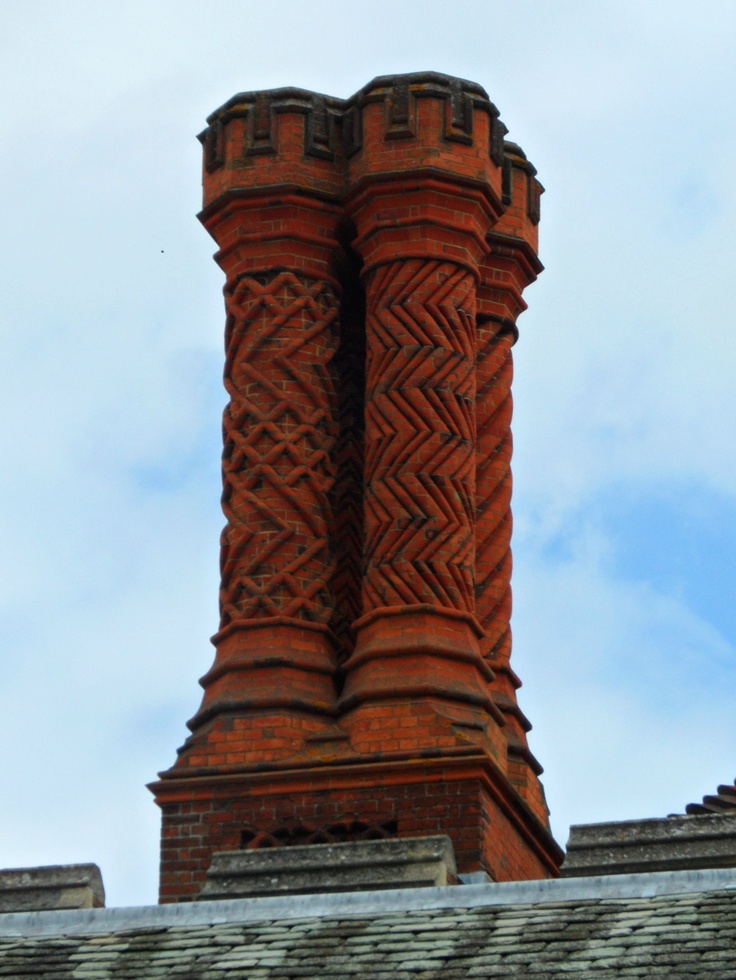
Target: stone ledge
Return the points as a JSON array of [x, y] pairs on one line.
[[341, 867], [51, 888], [667, 844]]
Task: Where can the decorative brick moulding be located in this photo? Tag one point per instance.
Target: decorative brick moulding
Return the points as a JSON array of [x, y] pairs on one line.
[[375, 252]]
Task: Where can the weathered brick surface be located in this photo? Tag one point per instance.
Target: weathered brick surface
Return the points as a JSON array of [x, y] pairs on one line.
[[453, 796], [510, 265], [375, 252]]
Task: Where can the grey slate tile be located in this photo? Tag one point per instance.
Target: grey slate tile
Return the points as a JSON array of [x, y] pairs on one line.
[[676, 937]]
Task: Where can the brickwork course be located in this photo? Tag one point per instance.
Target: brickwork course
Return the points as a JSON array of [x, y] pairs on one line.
[[375, 251]]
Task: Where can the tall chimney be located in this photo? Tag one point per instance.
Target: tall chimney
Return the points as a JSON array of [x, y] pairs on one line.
[[375, 252]]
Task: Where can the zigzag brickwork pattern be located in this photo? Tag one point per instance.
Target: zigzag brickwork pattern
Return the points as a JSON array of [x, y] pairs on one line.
[[348, 367], [375, 250], [420, 421], [279, 433], [494, 371], [496, 337]]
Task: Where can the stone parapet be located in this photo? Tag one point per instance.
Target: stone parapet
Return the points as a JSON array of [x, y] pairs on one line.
[[51, 888], [669, 844]]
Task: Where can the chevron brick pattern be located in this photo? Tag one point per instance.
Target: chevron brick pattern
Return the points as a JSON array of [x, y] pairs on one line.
[[375, 250], [494, 371], [420, 436], [349, 371], [279, 434]]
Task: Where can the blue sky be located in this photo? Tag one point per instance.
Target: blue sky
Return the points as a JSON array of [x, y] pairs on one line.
[[111, 325]]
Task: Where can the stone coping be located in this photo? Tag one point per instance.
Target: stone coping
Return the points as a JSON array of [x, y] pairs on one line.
[[186, 914], [50, 888]]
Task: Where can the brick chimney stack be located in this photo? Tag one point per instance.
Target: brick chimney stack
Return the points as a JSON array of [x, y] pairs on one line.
[[375, 251]]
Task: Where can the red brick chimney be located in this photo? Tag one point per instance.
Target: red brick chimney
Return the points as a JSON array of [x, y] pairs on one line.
[[375, 252]]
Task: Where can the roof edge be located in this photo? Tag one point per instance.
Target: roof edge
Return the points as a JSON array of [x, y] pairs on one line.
[[310, 906]]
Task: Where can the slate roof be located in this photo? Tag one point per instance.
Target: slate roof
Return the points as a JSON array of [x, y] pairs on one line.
[[678, 924]]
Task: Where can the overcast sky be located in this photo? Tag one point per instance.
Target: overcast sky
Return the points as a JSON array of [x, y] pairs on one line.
[[110, 389]]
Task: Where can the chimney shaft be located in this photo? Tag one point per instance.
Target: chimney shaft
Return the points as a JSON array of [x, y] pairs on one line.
[[375, 251]]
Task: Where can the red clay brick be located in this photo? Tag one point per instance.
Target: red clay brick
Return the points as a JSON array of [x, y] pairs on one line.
[[362, 677]]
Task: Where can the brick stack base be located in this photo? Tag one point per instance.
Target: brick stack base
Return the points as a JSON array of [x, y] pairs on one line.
[[458, 795]]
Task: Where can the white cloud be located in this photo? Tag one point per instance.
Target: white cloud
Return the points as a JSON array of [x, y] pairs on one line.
[[632, 692]]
